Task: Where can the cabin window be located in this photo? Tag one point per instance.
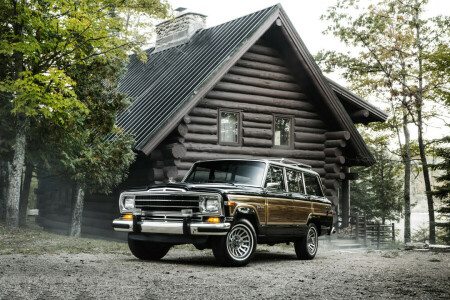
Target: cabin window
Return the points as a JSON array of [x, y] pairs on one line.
[[282, 131], [229, 131]]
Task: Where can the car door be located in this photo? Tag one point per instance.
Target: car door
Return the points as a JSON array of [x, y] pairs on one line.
[[279, 204], [301, 205]]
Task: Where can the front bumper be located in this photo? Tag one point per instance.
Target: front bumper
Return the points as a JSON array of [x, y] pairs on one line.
[[185, 227]]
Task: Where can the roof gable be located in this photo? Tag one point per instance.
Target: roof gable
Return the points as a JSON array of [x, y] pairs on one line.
[[173, 81]]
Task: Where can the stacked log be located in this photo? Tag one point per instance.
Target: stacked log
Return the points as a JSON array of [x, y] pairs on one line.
[[335, 142], [165, 157]]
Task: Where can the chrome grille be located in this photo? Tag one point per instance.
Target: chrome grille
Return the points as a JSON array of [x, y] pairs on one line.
[[170, 203]]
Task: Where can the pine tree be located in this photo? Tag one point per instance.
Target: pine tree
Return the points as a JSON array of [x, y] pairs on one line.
[[442, 191], [378, 191]]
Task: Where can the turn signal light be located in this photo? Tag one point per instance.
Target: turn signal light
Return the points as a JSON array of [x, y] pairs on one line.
[[128, 216], [213, 220]]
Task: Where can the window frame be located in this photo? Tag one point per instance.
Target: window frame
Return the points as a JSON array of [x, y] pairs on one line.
[[291, 136], [239, 131], [319, 182], [269, 165]]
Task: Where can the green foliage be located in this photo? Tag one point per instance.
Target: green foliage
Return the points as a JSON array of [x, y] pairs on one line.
[[442, 190], [87, 154], [60, 64], [383, 61], [378, 191]]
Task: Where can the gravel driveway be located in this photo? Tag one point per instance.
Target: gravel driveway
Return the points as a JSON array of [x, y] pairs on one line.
[[187, 274]]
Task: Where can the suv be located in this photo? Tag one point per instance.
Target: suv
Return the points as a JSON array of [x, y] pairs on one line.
[[229, 205]]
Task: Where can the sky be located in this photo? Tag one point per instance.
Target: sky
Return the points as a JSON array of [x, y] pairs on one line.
[[305, 16]]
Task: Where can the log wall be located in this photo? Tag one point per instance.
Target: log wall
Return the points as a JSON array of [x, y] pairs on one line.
[[260, 86]]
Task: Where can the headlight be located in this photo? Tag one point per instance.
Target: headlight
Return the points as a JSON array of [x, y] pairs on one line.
[[210, 203], [126, 202]]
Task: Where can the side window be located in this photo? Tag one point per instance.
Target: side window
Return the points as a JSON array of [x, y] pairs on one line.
[[275, 175], [282, 131], [312, 185], [229, 131], [295, 181]]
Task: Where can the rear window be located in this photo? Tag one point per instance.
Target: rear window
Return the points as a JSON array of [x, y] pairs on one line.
[[312, 185]]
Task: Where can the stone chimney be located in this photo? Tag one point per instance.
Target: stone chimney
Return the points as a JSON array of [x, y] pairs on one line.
[[178, 31]]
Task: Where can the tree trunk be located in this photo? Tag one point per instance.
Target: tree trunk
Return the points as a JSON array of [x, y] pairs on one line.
[[77, 211], [24, 196], [4, 179], [419, 104], [426, 177], [407, 176], [15, 177]]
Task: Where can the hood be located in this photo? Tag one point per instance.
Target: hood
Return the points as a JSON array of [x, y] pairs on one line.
[[222, 188]]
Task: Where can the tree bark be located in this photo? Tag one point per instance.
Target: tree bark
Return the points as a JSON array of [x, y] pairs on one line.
[[15, 177], [24, 196], [77, 210]]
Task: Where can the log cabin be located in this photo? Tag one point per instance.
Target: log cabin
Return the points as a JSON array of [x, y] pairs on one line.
[[247, 88]]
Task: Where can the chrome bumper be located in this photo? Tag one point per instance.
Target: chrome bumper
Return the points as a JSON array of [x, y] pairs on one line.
[[193, 228]]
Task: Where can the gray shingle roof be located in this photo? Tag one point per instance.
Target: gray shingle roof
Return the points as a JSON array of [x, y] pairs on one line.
[[169, 78]]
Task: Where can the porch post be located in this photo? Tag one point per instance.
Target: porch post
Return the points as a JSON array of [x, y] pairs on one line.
[[345, 199]]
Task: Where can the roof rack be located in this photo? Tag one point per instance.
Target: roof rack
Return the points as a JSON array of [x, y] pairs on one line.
[[291, 162]]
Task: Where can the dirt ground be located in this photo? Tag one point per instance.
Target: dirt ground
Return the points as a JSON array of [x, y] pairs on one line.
[[191, 274]]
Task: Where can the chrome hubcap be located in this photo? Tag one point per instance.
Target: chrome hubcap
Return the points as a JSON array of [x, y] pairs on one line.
[[239, 242], [311, 241]]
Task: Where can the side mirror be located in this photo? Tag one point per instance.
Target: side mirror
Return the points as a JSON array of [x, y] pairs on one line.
[[273, 186]]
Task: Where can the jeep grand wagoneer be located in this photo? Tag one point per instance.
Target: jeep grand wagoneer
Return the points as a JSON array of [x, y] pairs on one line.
[[229, 205]]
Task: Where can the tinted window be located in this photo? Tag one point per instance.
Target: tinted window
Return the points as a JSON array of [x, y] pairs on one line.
[[295, 181], [229, 127], [282, 132], [312, 185], [275, 174], [228, 171]]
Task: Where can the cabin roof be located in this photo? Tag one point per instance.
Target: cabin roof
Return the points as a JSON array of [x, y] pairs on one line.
[[173, 81]]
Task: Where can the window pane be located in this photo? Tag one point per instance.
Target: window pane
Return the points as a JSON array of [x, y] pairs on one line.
[[312, 185], [275, 174], [229, 126], [282, 132], [295, 182]]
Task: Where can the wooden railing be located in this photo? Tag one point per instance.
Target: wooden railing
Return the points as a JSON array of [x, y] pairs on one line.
[[371, 232]]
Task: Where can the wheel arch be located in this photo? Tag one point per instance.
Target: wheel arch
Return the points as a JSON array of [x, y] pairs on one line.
[[316, 221], [248, 213]]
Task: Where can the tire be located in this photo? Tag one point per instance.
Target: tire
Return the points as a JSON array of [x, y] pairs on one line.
[[306, 247], [148, 250], [237, 248]]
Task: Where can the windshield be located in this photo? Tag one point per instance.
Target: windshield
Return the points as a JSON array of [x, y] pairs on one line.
[[228, 171]]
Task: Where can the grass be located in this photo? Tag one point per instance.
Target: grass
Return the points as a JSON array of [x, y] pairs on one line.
[[33, 240]]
